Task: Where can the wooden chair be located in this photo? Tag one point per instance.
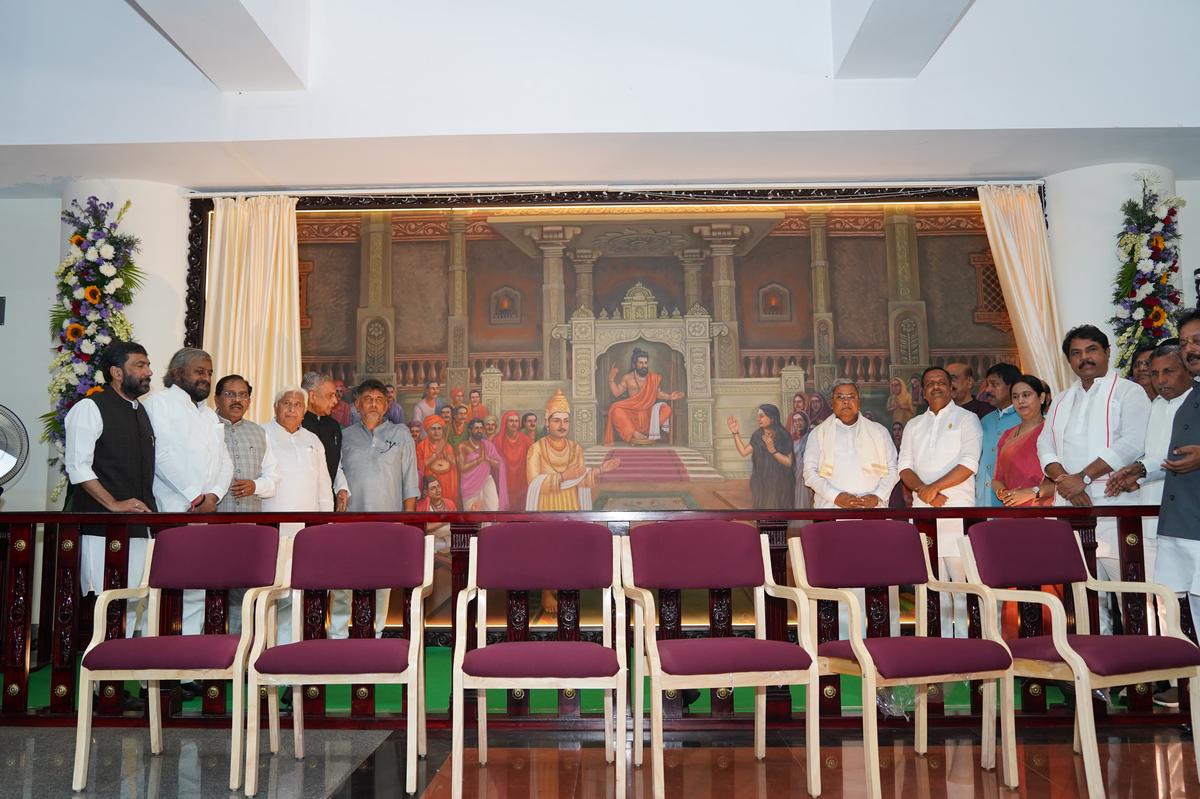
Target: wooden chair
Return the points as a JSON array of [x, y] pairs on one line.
[[996, 554], [356, 556], [829, 558], [203, 556], [520, 556], [708, 555]]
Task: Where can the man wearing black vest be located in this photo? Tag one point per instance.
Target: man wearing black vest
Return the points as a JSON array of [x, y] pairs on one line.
[[322, 396], [110, 457]]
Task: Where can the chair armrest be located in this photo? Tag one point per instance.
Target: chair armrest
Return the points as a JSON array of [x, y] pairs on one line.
[[948, 587], [1168, 597], [645, 600], [262, 599], [465, 597], [800, 600], [105, 599]]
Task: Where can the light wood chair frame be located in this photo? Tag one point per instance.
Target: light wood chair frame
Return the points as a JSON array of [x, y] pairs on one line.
[[648, 663], [153, 677], [266, 632], [1073, 668], [613, 605], [863, 666]]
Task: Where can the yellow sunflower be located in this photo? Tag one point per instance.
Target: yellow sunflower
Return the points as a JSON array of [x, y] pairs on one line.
[[77, 239], [1157, 242], [92, 295], [1157, 316], [74, 331]]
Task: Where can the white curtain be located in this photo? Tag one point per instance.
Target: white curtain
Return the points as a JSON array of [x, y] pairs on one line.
[[252, 304], [1016, 230]]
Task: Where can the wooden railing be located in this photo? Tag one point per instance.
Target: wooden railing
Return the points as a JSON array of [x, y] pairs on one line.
[[63, 629], [512, 366]]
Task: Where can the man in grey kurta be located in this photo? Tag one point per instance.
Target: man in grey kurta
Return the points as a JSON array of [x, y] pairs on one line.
[[1178, 563], [378, 457], [254, 468], [380, 463]]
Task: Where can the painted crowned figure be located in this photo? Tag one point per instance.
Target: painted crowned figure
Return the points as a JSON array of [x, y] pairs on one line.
[[558, 477], [644, 415]]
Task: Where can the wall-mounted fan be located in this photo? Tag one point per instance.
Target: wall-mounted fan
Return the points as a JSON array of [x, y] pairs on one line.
[[14, 446]]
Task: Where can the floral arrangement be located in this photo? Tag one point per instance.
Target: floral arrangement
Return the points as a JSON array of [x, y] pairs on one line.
[[1144, 295], [94, 283]]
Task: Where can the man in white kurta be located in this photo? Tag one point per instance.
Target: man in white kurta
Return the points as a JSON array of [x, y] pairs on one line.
[[192, 467], [1097, 426], [1142, 480], [302, 481], [939, 455], [850, 462]]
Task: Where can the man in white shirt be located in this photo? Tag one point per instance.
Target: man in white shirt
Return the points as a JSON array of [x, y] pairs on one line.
[[850, 462], [1142, 480], [192, 468], [302, 481], [939, 455], [1095, 427]]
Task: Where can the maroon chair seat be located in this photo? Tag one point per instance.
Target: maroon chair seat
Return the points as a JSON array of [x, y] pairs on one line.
[[1113, 654], [561, 659], [917, 656], [336, 656], [163, 652], [730, 655]]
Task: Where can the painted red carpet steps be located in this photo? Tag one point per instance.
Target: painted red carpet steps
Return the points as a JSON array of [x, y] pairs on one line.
[[653, 464]]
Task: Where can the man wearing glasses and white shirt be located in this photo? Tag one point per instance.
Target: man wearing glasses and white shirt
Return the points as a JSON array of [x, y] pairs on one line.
[[253, 460]]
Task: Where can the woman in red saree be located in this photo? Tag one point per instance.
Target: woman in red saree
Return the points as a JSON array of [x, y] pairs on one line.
[[1019, 480]]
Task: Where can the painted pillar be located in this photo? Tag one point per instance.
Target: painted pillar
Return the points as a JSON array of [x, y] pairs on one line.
[[584, 262], [552, 240], [908, 329], [376, 320], [692, 262], [722, 240], [458, 367], [824, 345]]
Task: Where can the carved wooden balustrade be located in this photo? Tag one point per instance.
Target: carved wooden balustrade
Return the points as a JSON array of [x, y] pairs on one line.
[[53, 540], [512, 366], [980, 360], [770, 362]]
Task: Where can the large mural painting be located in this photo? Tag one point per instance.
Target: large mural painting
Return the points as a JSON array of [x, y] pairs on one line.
[[612, 353]]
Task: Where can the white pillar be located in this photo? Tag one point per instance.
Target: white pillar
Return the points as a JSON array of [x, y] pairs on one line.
[[1083, 207], [159, 217]]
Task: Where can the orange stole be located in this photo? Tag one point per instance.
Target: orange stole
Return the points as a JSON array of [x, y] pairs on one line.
[[632, 414], [447, 477]]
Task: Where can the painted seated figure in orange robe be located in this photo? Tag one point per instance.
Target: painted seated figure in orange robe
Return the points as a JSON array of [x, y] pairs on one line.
[[644, 415]]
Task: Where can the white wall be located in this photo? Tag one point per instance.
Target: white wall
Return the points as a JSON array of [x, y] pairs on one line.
[[31, 233], [1189, 229]]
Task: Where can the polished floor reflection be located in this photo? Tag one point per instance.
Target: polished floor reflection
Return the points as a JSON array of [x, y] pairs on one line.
[[1139, 762]]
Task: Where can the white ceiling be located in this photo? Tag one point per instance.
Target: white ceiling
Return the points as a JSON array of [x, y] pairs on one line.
[[538, 92]]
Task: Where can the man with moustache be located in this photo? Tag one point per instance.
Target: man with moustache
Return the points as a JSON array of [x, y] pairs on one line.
[[254, 464], [192, 468], [997, 389], [318, 419], [1178, 565], [1144, 477], [529, 426], [939, 456], [430, 403], [1096, 427], [513, 446], [1139, 368], [109, 458], [962, 385]]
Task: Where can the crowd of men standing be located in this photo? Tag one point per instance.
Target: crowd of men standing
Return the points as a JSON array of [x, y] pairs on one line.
[[1105, 439]]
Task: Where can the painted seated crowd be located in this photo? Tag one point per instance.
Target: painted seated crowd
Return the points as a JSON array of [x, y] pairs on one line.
[[953, 439]]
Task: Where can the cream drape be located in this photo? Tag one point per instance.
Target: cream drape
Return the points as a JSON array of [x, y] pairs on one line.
[[1016, 230], [252, 303]]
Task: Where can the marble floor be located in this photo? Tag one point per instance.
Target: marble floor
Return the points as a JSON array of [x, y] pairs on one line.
[[1138, 762]]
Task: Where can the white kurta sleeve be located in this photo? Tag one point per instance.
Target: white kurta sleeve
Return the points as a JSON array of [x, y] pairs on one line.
[[1047, 448], [84, 427], [224, 472], [174, 463], [811, 470], [887, 482], [972, 442], [1127, 440], [268, 473], [324, 484]]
